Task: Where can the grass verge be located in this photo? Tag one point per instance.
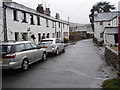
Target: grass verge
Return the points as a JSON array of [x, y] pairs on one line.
[[111, 83]]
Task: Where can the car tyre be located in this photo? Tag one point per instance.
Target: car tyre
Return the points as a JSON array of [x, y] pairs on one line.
[[63, 50], [44, 57], [25, 64], [57, 52]]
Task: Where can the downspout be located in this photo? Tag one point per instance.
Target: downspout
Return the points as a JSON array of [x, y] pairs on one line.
[[61, 32], [4, 23], [55, 31]]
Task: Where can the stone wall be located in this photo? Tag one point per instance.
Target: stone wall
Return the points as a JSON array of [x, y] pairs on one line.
[[111, 56]]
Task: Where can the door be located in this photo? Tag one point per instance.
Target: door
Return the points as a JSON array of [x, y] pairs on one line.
[[30, 52], [37, 52]]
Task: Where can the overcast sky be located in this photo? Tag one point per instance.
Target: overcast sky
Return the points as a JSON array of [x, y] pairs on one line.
[[77, 10]]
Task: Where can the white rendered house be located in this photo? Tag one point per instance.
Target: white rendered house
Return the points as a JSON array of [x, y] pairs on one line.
[[23, 23], [106, 27]]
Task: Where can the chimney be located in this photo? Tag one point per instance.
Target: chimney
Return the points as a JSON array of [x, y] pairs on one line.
[[40, 8], [47, 11], [95, 12], [57, 16]]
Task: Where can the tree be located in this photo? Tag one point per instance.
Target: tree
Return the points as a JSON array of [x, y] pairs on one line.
[[100, 7]]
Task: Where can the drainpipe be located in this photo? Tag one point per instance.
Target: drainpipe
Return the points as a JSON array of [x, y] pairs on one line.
[[4, 23], [61, 33], [55, 31]]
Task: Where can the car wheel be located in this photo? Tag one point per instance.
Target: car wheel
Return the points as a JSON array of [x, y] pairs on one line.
[[57, 52], [44, 57], [63, 50], [25, 64]]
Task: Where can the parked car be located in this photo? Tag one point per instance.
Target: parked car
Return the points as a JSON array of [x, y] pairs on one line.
[[20, 54], [52, 45]]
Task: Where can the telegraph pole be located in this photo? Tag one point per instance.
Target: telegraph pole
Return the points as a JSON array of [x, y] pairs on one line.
[[4, 23], [68, 20]]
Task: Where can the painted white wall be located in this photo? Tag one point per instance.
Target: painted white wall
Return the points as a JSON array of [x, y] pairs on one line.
[[114, 22], [98, 29], [109, 40], [119, 6], [20, 27]]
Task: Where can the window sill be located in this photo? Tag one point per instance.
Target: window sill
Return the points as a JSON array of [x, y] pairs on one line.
[[39, 24], [24, 22], [32, 24], [15, 20]]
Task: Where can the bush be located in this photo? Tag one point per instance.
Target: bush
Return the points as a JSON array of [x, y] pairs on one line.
[[66, 40], [111, 83], [99, 43]]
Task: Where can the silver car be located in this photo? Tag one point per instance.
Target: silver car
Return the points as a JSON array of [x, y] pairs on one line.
[[52, 45], [20, 54]]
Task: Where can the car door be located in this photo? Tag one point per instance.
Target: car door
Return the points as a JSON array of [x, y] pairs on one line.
[[30, 52], [58, 43], [37, 51]]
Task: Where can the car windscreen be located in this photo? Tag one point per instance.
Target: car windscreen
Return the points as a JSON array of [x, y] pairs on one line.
[[7, 49]]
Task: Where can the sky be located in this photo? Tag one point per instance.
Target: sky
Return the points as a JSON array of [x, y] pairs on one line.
[[77, 10]]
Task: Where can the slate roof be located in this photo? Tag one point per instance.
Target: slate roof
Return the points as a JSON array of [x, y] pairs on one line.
[[21, 7], [111, 30], [102, 17]]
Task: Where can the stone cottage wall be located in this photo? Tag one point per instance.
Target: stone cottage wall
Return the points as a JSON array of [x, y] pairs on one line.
[[111, 57]]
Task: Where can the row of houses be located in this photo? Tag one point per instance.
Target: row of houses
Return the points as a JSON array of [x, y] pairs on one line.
[[18, 22]]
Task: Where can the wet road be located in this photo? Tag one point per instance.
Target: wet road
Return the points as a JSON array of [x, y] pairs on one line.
[[78, 67]]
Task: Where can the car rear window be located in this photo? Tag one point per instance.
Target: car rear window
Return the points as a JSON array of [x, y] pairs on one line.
[[8, 49], [47, 41]]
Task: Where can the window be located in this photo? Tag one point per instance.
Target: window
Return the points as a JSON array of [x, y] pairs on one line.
[[47, 24], [8, 49], [63, 25], [20, 47], [57, 34], [24, 17], [34, 46], [59, 24], [39, 37], [52, 24], [15, 16], [16, 36], [43, 37], [28, 46], [38, 20], [101, 23], [116, 38], [101, 35], [47, 35], [53, 35], [31, 19]]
